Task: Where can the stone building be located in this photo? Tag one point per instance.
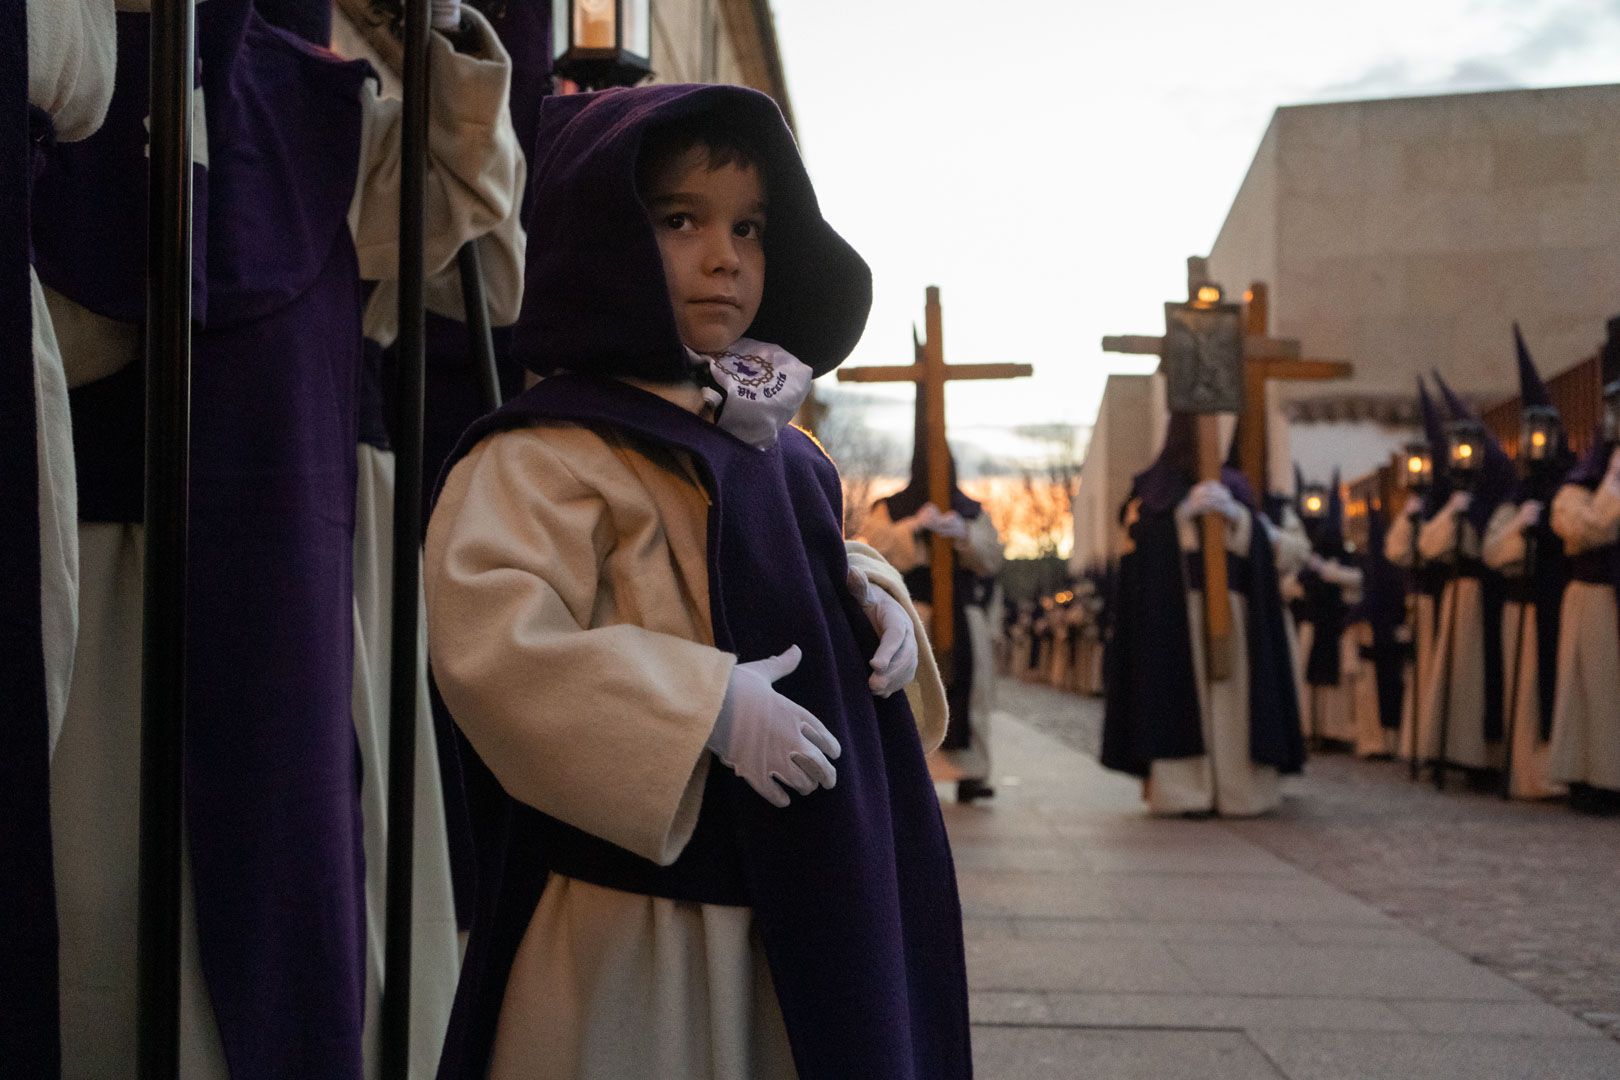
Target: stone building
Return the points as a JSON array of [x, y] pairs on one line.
[[719, 41], [1409, 233]]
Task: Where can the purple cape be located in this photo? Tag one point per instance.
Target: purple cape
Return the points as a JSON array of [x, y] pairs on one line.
[[1383, 607], [28, 979], [271, 766], [1151, 712], [853, 888], [1324, 606]]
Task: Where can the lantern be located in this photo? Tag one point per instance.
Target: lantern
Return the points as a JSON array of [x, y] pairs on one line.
[[1540, 435], [1313, 502], [1467, 442], [1419, 467], [602, 43]]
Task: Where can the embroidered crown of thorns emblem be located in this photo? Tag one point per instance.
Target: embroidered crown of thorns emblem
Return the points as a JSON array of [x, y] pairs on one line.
[[747, 368]]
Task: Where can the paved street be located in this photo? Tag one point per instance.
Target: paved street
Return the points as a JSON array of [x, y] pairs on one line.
[[1102, 944]]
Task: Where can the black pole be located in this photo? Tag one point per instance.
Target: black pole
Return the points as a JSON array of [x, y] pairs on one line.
[[1415, 624], [1444, 653], [163, 630], [480, 339], [1512, 719], [394, 1022]]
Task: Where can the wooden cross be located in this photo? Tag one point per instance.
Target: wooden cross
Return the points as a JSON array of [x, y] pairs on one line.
[[929, 372], [1266, 358]]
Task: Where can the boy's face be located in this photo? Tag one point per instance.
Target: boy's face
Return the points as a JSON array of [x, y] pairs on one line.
[[710, 224]]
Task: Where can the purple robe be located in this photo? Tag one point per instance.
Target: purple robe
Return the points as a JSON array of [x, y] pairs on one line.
[[28, 979], [853, 889], [271, 765]]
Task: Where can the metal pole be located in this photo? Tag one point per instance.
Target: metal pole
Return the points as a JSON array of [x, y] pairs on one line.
[[1443, 668], [480, 340], [163, 630], [1511, 723], [394, 1022], [1415, 624]]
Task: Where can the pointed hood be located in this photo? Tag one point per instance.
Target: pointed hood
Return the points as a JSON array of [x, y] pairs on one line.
[[1434, 433], [1498, 477], [910, 499], [596, 301], [1532, 391]]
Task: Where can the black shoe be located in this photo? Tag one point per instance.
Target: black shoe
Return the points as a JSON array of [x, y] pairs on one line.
[[968, 790]]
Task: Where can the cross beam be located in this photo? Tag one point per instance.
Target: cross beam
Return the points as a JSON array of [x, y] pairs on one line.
[[929, 373]]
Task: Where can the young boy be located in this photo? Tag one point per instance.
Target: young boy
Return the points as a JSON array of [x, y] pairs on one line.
[[709, 844]]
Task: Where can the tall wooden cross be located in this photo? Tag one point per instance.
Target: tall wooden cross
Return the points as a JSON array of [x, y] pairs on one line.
[[1264, 358], [930, 373]]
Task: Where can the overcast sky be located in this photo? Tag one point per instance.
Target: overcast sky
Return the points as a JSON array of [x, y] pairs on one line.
[[1050, 164]]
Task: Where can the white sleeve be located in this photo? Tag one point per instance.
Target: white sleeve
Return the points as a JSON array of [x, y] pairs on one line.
[[1343, 575], [72, 52], [1504, 544], [1398, 541], [1586, 519], [1438, 537], [474, 183]]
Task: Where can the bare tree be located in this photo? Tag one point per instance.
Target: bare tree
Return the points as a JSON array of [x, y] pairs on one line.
[[866, 459]]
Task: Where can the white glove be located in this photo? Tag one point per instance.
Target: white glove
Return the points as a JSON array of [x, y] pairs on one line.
[[1529, 515], [767, 739], [1458, 503], [894, 664], [1210, 497], [1315, 562], [1414, 506], [951, 526], [446, 15]]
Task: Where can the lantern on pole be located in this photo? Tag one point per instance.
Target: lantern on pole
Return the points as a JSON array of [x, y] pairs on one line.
[[1466, 439], [1418, 463], [1540, 434], [1313, 502], [602, 43]]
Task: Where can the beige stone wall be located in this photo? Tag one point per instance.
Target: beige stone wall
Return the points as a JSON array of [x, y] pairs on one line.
[[1407, 234], [1130, 427]]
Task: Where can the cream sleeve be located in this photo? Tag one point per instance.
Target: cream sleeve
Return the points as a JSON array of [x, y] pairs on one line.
[[1398, 541], [926, 692], [72, 53], [1437, 539], [475, 179], [1293, 546], [597, 721], [1504, 544], [1586, 519], [895, 542], [981, 550]]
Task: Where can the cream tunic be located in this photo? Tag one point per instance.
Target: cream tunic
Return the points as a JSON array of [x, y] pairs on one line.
[[568, 606], [1454, 703], [1586, 713], [72, 50], [1224, 780], [1504, 552], [981, 553], [1411, 742], [475, 167]]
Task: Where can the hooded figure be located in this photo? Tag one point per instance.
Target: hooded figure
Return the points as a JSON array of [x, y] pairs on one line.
[[56, 60], [1200, 746], [1520, 544], [1381, 619], [296, 168], [1461, 718], [899, 528], [1586, 516], [1426, 579], [1329, 584], [604, 563]]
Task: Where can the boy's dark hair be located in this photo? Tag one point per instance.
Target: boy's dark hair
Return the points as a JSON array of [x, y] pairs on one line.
[[723, 143]]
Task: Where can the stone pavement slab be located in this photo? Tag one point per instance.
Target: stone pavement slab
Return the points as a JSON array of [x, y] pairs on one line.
[[1103, 944]]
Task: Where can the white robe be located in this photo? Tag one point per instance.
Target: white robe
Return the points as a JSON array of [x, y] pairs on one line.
[[1531, 778], [1328, 712], [72, 49], [1372, 738], [474, 187], [1224, 779], [1412, 740], [1454, 704], [982, 553], [1586, 713]]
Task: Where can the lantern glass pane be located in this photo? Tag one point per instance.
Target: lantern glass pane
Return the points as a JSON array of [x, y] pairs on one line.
[[637, 16], [560, 24], [595, 24]]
